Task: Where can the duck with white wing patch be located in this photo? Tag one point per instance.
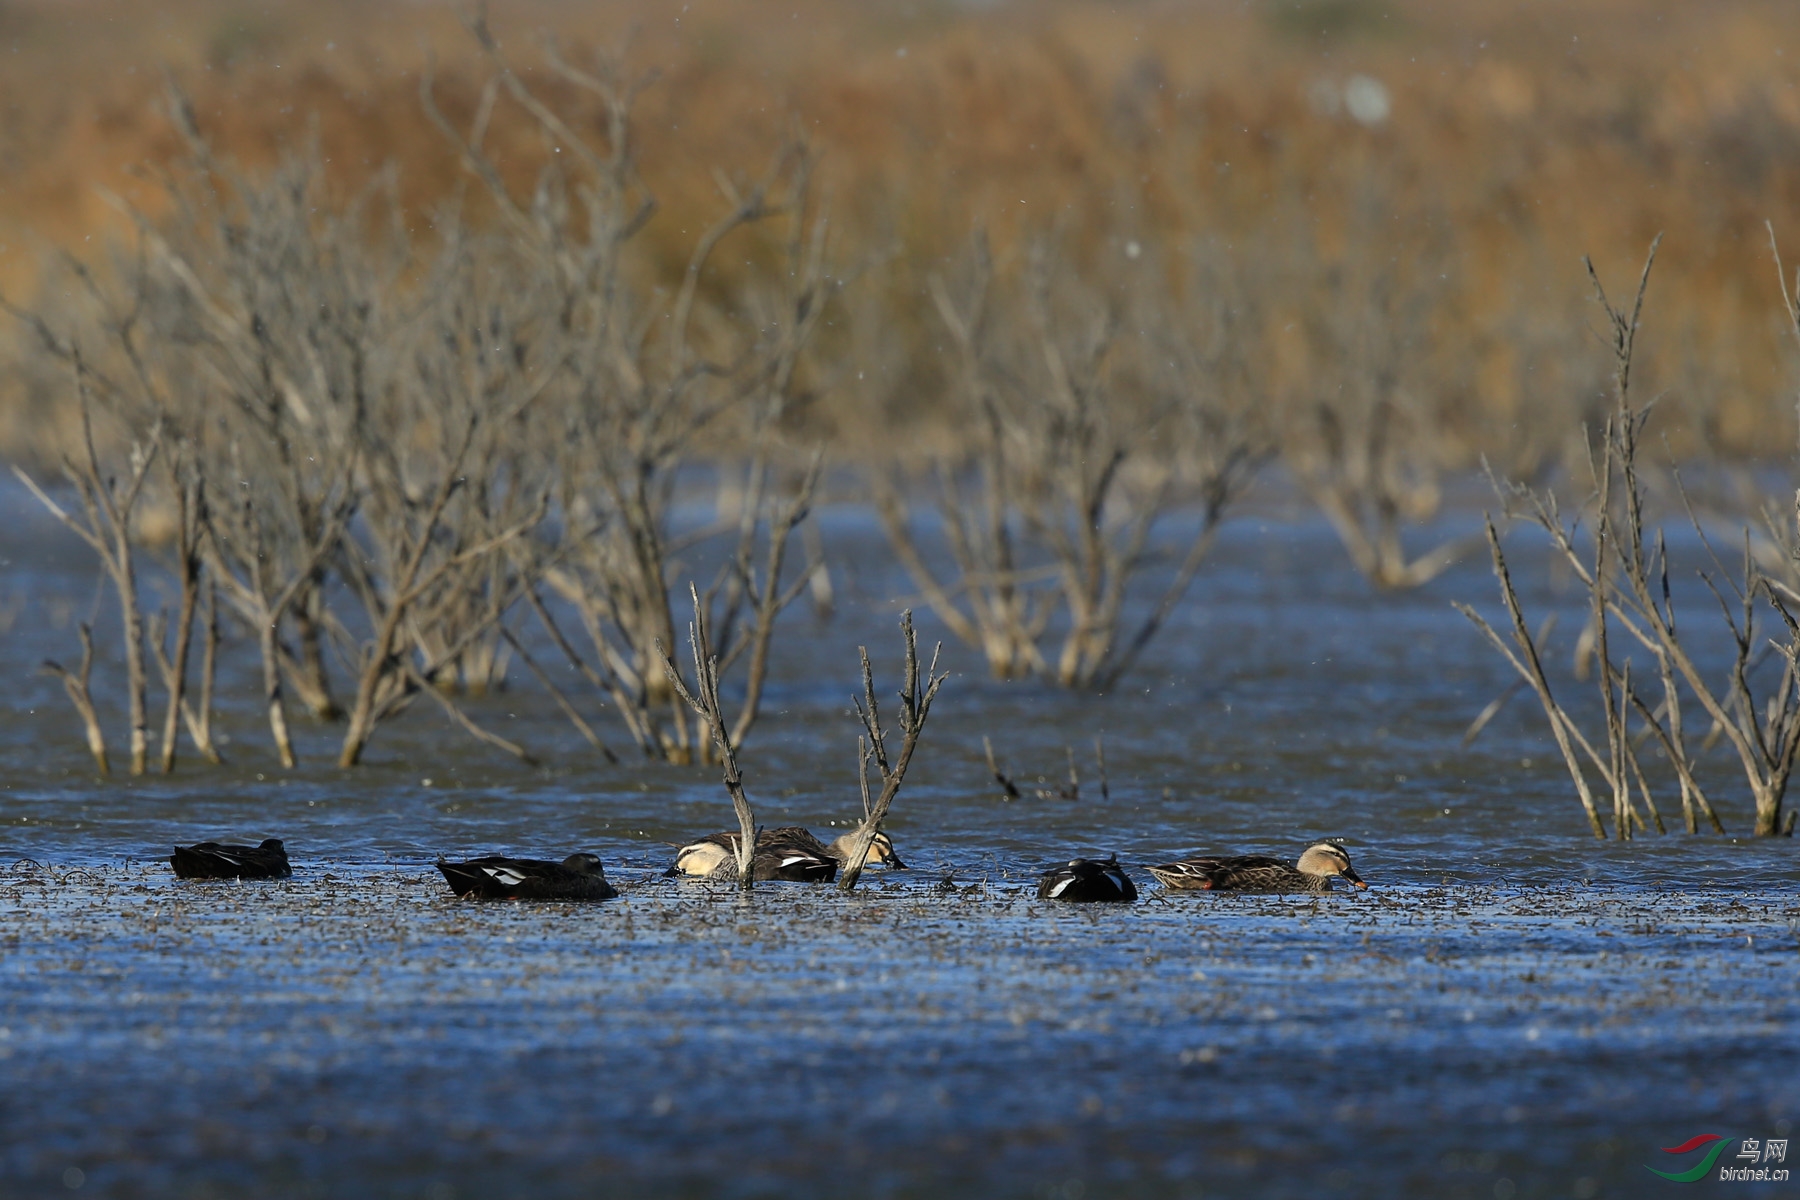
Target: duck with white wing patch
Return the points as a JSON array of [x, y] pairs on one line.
[[493, 877], [1088, 881], [789, 853]]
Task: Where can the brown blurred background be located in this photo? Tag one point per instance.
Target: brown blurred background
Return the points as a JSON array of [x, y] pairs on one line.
[[1486, 147]]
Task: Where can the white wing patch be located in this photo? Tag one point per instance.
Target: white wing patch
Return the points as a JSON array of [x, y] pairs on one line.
[[798, 858], [505, 875], [1060, 888]]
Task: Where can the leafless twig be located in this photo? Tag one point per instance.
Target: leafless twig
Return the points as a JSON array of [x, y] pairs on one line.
[[916, 694], [76, 684], [704, 700]]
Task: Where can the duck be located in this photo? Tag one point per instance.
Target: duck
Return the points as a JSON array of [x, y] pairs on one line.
[[790, 853], [577, 877], [216, 860], [1089, 881], [1260, 873]]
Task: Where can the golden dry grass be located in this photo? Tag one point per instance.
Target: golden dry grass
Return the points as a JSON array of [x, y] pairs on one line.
[[1521, 136]]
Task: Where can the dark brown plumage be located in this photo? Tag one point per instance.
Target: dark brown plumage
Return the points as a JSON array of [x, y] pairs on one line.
[[1088, 881], [214, 860], [1260, 873], [790, 853], [577, 877]]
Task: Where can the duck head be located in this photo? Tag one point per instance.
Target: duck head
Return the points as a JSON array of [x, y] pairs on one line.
[[1328, 859], [584, 863], [701, 858], [881, 850]]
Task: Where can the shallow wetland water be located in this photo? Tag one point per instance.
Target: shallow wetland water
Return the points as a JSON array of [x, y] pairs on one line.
[[1511, 1010]]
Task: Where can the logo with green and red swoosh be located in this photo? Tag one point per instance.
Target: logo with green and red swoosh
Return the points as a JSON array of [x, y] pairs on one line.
[[1699, 1170]]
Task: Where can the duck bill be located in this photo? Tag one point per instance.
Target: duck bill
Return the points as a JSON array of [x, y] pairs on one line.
[[1354, 878], [894, 863]]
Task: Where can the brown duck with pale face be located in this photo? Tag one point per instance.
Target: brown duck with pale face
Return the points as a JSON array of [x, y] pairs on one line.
[[1322, 862], [789, 853]]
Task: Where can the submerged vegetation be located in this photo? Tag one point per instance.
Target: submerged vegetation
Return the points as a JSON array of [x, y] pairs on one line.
[[1622, 561], [388, 449]]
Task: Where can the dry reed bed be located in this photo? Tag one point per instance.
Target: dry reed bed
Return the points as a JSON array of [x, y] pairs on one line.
[[1520, 140]]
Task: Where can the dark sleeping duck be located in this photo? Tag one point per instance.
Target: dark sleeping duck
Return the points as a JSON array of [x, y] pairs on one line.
[[213, 860], [789, 854], [577, 877], [1088, 881], [1258, 873]]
